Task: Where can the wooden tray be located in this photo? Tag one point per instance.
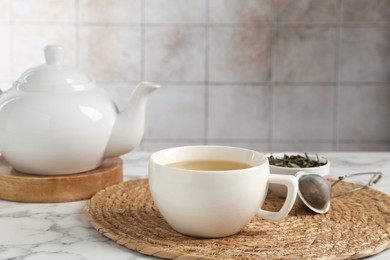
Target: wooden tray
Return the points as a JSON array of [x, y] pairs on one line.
[[21, 187]]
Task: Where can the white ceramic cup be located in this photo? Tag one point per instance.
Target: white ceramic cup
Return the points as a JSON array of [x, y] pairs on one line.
[[214, 203]]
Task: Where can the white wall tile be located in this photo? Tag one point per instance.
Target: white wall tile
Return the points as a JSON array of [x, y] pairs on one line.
[[306, 11], [363, 11], [303, 113], [111, 52], [5, 10], [308, 146], [238, 112], [5, 50], [365, 55], [363, 113], [240, 12], [305, 55], [153, 146], [239, 54], [175, 11], [109, 12], [175, 53], [363, 146], [43, 10], [260, 146], [177, 113]]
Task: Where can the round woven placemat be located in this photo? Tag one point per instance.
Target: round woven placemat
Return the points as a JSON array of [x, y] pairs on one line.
[[357, 225]]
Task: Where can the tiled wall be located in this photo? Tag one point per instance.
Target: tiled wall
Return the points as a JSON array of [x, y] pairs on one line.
[[272, 75]]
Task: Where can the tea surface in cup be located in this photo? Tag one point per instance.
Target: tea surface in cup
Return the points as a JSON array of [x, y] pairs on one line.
[[209, 165]]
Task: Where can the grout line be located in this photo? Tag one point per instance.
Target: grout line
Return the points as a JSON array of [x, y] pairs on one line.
[[289, 84], [77, 27], [287, 141], [232, 25], [207, 75], [11, 44], [280, 141], [273, 67], [143, 49], [271, 24], [335, 145]]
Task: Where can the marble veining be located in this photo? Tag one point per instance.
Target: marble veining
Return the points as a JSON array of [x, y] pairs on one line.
[[61, 230]]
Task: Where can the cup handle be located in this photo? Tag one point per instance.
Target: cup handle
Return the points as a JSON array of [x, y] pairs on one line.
[[291, 183]]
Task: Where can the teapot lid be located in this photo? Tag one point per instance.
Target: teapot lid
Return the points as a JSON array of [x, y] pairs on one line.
[[53, 75]]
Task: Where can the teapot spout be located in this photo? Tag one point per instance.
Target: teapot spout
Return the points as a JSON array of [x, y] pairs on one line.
[[129, 124]]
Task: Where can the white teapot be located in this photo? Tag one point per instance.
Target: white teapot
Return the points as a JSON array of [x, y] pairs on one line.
[[55, 120]]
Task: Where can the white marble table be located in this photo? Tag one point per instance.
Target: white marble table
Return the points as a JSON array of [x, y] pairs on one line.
[[61, 230]]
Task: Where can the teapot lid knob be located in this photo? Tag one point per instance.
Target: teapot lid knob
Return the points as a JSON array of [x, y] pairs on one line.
[[54, 75], [54, 54]]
